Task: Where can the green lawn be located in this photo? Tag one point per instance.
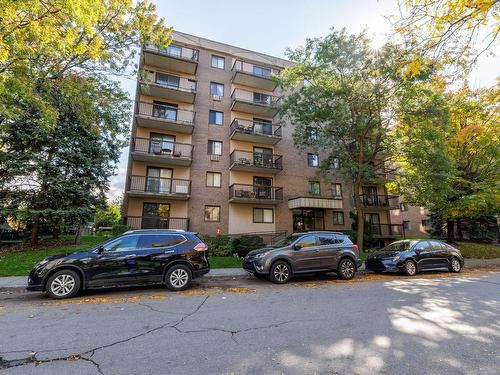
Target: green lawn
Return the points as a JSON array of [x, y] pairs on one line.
[[479, 250], [19, 263]]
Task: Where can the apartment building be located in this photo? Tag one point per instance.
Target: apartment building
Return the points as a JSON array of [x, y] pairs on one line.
[[208, 154]]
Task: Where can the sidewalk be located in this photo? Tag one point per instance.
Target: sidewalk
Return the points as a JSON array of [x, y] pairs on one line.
[[12, 282]]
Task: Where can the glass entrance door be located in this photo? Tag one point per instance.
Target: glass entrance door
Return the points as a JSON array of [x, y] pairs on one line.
[[308, 219], [155, 215]]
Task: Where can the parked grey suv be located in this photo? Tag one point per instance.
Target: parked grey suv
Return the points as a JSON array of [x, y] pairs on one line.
[[309, 252]]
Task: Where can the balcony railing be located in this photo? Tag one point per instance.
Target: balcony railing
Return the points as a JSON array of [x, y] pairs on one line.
[[169, 81], [178, 52], [159, 186], [160, 147], [156, 222], [390, 202], [255, 193], [256, 70], [386, 230], [165, 112], [255, 97], [255, 127], [249, 159]]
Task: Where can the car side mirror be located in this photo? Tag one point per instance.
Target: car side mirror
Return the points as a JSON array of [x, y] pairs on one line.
[[297, 246], [100, 250]]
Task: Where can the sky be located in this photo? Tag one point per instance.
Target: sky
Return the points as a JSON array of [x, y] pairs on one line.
[[272, 26]]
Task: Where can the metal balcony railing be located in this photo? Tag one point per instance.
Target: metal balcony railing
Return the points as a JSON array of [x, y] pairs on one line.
[[161, 147], [165, 112], [170, 81], [255, 127], [159, 185], [380, 201], [255, 192], [174, 51], [386, 229], [255, 98], [256, 159], [156, 222], [256, 70]]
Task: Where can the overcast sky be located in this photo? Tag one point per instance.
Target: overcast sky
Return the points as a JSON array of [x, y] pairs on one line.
[[270, 26]]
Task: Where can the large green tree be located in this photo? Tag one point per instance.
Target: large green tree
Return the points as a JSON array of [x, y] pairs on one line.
[[342, 90], [62, 122]]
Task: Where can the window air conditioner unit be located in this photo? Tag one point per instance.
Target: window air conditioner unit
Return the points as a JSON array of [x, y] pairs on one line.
[[217, 98], [214, 157]]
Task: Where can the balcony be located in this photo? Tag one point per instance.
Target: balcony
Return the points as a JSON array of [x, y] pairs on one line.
[[156, 222], [174, 58], [255, 103], [255, 131], [158, 187], [384, 202], [160, 151], [386, 230], [252, 75], [168, 87], [256, 194], [249, 161], [159, 116]]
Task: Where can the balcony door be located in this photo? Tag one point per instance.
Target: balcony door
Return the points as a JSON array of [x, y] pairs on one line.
[[370, 196], [159, 180], [262, 126], [260, 98], [155, 215], [373, 220], [164, 110], [263, 157], [161, 144], [263, 187], [167, 80]]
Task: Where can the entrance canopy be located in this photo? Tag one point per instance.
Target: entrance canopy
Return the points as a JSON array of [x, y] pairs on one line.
[[308, 202]]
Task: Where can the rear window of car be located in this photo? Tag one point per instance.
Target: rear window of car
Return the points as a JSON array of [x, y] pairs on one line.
[[160, 240]]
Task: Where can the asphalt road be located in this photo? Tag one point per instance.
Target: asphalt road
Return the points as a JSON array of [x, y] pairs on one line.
[[437, 324]]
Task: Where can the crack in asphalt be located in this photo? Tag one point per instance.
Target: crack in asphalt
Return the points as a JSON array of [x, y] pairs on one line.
[[32, 359], [156, 310]]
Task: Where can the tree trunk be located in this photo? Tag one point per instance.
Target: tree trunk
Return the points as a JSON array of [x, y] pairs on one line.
[[360, 219], [35, 230], [77, 236], [450, 228], [460, 235]]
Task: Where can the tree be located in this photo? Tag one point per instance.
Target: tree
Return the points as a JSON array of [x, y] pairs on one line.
[[62, 122], [342, 90], [110, 215], [448, 146], [455, 32]]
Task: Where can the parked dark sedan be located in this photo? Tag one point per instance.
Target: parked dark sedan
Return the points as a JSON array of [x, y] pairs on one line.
[[134, 258], [413, 256], [310, 252]]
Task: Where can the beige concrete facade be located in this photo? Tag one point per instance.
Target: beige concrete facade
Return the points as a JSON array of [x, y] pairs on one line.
[[173, 112]]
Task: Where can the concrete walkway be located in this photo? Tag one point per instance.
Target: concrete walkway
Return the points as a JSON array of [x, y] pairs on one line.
[[21, 281]]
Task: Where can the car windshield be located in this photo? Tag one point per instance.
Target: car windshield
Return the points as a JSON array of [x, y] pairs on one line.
[[399, 246], [287, 241]]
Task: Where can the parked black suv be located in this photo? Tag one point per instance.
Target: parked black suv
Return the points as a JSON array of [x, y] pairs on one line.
[[309, 252], [134, 258], [413, 256]]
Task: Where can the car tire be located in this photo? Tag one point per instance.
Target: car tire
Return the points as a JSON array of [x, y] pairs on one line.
[[410, 268], [63, 284], [178, 278], [281, 272], [455, 265], [346, 269]]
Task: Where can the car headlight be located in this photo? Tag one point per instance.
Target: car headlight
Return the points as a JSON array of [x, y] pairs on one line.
[[396, 258], [41, 263], [261, 255]]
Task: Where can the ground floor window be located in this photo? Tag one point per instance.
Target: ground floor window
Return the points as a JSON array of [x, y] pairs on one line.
[[307, 219], [338, 218], [263, 215], [212, 213]]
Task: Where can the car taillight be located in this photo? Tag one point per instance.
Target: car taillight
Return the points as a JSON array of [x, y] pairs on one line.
[[201, 247]]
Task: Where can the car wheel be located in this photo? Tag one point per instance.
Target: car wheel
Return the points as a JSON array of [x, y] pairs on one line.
[[410, 268], [281, 272], [455, 265], [346, 269], [63, 284], [178, 277]]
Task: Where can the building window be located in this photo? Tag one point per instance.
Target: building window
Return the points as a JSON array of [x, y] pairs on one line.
[[260, 98], [215, 117], [167, 80], [174, 50], [314, 187], [403, 207], [335, 163], [426, 223], [337, 190], [263, 215], [214, 179], [212, 213], [216, 89], [406, 225], [313, 160], [261, 71], [338, 218], [312, 134], [218, 62], [214, 147]]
